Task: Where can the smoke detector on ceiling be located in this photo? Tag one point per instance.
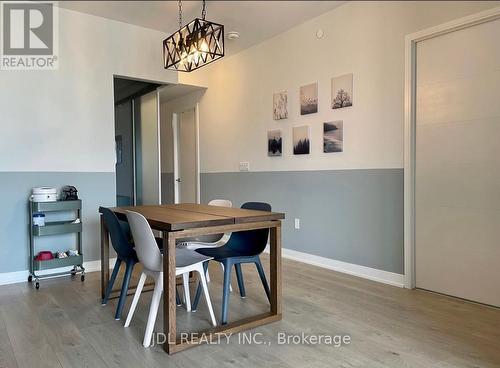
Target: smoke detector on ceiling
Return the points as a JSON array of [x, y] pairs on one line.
[[233, 35]]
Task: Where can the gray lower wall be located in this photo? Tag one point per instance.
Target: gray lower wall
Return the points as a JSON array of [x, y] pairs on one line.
[[354, 216], [95, 189]]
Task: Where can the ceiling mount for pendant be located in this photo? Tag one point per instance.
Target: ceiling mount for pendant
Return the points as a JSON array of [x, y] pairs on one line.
[[198, 43], [233, 35]]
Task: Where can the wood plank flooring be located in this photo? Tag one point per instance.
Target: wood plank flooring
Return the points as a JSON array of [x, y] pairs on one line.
[[64, 325]]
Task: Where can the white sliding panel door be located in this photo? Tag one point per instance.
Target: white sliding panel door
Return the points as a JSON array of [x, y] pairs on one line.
[[457, 227], [147, 150]]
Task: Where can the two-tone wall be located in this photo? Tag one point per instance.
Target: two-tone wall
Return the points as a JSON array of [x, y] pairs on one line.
[[350, 204], [57, 127]]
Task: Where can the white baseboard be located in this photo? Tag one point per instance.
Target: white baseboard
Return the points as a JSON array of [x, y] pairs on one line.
[[7, 278], [369, 273]]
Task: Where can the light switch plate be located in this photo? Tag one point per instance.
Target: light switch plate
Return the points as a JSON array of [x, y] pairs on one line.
[[297, 223], [245, 166]]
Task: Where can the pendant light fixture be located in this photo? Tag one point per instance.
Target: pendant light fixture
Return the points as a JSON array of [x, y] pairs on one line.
[[196, 44]]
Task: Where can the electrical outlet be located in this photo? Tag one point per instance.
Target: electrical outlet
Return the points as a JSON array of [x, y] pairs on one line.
[[245, 166], [297, 223]]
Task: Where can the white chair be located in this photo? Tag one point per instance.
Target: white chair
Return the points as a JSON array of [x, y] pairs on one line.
[[209, 241], [221, 203], [152, 260]]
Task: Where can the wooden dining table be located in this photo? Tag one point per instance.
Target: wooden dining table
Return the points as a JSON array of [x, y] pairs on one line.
[[185, 220]]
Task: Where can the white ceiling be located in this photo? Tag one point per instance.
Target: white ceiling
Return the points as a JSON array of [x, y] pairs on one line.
[[256, 21], [173, 91]]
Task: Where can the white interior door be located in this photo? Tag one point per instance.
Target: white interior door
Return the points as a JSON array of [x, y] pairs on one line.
[[186, 168], [457, 177]]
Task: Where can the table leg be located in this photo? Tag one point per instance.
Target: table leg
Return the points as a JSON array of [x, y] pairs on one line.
[[275, 269], [172, 345], [169, 286], [104, 257]]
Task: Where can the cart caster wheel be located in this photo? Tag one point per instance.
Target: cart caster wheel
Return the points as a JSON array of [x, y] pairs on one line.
[[37, 285], [82, 278], [30, 278]]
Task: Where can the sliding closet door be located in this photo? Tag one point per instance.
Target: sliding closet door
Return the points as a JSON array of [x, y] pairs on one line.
[[147, 149], [124, 140], [458, 164]]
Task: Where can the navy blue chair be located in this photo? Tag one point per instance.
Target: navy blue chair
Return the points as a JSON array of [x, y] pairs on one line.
[[242, 247], [121, 240], [119, 232]]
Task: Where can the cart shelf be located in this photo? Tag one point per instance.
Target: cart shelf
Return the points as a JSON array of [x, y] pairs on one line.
[[58, 262], [56, 228], [56, 206]]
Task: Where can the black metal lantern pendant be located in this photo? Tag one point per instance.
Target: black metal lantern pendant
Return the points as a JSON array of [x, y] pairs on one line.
[[196, 44]]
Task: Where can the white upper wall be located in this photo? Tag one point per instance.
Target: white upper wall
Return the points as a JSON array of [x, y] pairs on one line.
[[364, 38], [63, 120]]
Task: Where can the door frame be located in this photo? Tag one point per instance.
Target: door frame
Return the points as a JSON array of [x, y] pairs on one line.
[[175, 125], [411, 41], [158, 142], [132, 99]]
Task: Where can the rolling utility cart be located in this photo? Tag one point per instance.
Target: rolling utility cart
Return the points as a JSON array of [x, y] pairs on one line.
[[55, 228]]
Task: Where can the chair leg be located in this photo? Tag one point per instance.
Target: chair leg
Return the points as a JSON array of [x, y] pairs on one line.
[[239, 277], [222, 267], [112, 281], [263, 278], [225, 291], [123, 292], [177, 297], [196, 300], [203, 281], [137, 295], [207, 275], [153, 310], [187, 297]]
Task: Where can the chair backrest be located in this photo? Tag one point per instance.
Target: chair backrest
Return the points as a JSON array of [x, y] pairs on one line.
[[252, 242], [213, 238], [221, 203], [119, 232], [258, 206], [145, 243]]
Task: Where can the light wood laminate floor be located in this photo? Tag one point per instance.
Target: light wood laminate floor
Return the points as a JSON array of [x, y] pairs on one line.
[[64, 325]]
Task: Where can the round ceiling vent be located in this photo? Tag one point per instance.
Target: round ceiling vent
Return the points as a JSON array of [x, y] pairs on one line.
[[233, 35]]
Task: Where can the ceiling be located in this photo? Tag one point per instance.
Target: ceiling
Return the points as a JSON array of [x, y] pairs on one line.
[[174, 91], [126, 88], [256, 21]]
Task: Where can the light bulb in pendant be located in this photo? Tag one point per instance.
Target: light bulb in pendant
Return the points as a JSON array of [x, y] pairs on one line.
[[196, 57], [204, 46]]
